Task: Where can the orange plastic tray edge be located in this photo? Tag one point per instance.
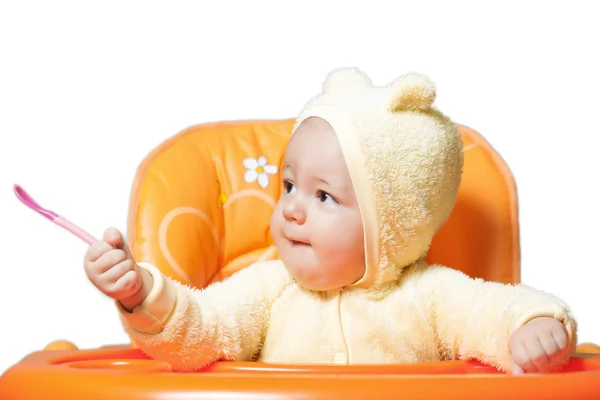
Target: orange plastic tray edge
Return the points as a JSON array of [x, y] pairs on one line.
[[126, 373]]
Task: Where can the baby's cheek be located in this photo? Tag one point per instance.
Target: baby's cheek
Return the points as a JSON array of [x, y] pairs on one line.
[[345, 264], [337, 244], [275, 221]]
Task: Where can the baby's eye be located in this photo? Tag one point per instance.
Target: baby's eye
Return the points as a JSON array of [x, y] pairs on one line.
[[326, 198], [288, 187]]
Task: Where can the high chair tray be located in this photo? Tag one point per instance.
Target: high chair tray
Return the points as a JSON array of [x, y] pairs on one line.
[[123, 373]]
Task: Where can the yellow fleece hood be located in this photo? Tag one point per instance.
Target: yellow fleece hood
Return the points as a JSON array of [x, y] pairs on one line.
[[405, 160]]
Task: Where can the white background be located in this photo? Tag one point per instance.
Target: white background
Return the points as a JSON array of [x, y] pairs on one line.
[[88, 89]]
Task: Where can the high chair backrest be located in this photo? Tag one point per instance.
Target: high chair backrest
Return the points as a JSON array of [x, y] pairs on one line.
[[201, 203]]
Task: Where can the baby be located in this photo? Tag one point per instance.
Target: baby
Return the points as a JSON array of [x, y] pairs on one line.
[[369, 176]]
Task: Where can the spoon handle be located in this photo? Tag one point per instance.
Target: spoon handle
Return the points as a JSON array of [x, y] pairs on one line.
[[75, 230]]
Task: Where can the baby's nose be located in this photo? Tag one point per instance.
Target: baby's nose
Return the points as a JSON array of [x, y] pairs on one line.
[[293, 211]]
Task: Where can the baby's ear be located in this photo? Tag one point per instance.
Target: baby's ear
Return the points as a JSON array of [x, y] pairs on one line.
[[343, 79], [411, 92]]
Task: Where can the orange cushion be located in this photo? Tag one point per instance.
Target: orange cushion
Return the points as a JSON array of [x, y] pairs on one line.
[[194, 216]]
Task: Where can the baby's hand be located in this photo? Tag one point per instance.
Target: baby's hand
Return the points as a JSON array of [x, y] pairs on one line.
[[538, 346], [109, 265]]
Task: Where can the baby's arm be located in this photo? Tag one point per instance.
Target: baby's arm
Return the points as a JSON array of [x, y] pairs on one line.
[[475, 319], [192, 328]]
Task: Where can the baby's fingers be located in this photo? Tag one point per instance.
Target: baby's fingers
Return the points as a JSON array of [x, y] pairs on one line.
[[121, 281], [109, 260], [517, 370], [96, 250], [540, 353], [113, 237], [521, 359], [551, 348], [561, 338], [127, 286]]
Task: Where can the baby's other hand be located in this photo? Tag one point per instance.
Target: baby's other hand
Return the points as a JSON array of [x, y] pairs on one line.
[[109, 265], [538, 346]]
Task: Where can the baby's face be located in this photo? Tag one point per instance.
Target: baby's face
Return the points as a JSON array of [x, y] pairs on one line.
[[316, 224]]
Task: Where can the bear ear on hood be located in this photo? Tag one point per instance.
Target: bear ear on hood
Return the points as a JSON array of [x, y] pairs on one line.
[[411, 92], [345, 79]]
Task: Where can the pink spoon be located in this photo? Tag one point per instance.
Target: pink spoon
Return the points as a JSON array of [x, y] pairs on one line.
[[52, 216]]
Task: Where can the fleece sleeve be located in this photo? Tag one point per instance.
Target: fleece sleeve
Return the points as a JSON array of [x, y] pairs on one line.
[[474, 318], [192, 328]]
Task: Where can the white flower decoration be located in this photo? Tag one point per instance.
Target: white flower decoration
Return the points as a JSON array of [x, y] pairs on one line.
[[259, 170]]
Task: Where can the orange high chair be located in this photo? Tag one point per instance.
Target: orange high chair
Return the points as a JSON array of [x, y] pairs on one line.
[[200, 209]]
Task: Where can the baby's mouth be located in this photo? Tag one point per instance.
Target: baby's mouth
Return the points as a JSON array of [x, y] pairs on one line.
[[298, 243]]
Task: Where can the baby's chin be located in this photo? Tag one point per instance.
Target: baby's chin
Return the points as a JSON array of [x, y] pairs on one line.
[[311, 280]]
